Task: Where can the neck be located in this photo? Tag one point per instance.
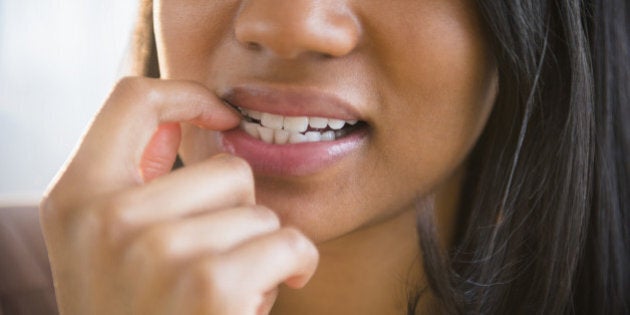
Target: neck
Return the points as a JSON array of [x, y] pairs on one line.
[[372, 270]]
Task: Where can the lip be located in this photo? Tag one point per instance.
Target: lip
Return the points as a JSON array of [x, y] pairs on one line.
[[291, 101], [298, 159]]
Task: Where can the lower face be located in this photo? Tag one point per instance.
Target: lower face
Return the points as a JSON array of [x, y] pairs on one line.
[[417, 75]]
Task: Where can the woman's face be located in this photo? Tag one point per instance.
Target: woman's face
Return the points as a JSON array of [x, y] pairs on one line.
[[417, 75]]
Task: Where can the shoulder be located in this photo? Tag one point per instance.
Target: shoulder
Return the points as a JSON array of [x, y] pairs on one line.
[[25, 277]]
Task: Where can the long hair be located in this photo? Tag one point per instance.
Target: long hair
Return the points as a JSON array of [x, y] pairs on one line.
[[546, 226], [544, 214]]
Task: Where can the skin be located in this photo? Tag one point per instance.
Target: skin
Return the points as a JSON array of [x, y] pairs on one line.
[[126, 236]]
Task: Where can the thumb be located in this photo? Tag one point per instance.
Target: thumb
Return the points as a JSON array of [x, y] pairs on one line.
[[161, 151]]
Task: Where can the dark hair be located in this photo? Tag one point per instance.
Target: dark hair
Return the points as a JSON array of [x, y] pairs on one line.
[[544, 213], [546, 201]]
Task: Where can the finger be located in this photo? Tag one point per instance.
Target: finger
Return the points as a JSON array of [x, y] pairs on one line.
[[223, 181], [157, 256], [243, 280], [282, 256], [268, 299], [211, 233], [110, 153], [160, 153]]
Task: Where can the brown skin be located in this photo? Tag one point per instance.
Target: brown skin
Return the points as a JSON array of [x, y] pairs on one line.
[[122, 241], [420, 74]]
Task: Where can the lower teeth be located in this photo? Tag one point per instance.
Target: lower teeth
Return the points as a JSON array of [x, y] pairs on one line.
[[276, 136]]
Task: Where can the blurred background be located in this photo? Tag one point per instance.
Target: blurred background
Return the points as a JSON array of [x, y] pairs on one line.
[[58, 61]]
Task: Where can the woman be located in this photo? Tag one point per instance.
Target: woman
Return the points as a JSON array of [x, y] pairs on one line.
[[375, 157]]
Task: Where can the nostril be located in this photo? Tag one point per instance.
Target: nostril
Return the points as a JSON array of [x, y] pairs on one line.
[[300, 27], [253, 46], [326, 56]]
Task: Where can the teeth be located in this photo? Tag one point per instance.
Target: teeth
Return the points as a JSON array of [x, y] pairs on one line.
[[272, 121], [281, 136], [277, 129], [297, 138], [275, 136], [313, 136], [297, 124], [266, 134], [318, 123], [336, 124], [254, 114], [251, 128], [328, 135]]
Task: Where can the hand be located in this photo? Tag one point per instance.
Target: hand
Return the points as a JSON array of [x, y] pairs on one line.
[[127, 236]]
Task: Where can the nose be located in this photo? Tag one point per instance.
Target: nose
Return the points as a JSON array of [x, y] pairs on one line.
[[290, 28]]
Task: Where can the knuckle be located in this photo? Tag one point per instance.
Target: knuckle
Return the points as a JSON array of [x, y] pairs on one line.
[[238, 166], [95, 221], [208, 278], [240, 173], [56, 218], [153, 250], [134, 87], [113, 219], [113, 212], [266, 216], [130, 83], [158, 242], [58, 207], [48, 210], [295, 241]]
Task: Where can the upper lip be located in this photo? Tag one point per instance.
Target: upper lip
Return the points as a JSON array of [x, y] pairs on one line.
[[290, 101]]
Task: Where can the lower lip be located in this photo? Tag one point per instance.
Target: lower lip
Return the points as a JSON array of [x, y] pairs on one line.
[[290, 159]]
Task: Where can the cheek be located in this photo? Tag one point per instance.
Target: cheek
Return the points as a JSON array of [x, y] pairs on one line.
[[187, 33], [440, 85]]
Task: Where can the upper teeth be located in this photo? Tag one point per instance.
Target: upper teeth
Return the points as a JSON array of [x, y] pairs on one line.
[[291, 129]]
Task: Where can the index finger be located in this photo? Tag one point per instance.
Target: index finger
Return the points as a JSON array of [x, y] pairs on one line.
[[109, 155]]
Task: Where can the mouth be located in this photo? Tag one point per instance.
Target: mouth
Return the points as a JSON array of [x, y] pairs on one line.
[[292, 132], [281, 130]]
